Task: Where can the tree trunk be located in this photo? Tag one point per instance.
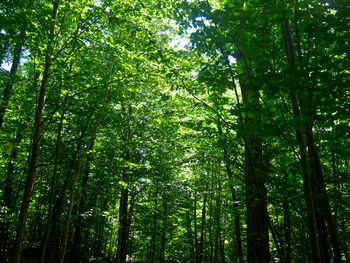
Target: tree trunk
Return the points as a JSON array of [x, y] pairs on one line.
[[164, 228], [36, 140], [81, 208], [189, 237], [59, 202], [154, 230], [79, 165], [322, 200], [53, 185], [196, 245], [217, 225], [130, 215], [211, 243], [255, 176], [235, 201], [123, 230], [307, 187], [201, 238], [123, 221]]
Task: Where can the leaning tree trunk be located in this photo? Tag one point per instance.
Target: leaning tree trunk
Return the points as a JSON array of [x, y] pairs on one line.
[[79, 165], [59, 202], [313, 162], [323, 202], [81, 208], [323, 210], [53, 184], [36, 140]]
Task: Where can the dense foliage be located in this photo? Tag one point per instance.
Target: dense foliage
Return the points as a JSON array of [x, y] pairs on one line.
[[174, 131]]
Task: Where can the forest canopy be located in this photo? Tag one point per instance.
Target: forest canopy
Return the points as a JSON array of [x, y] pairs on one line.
[[199, 131]]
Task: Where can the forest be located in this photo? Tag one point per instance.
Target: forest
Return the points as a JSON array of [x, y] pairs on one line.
[[168, 131]]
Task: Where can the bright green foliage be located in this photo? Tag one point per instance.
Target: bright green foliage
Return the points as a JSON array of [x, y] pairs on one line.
[[175, 119]]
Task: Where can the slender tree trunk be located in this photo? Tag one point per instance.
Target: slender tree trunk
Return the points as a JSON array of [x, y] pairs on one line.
[[321, 224], [323, 209], [123, 231], [59, 201], [79, 165], [307, 187], [36, 140], [81, 208], [217, 225], [130, 216], [323, 202], [164, 228], [196, 245], [37, 214], [277, 240], [211, 243], [154, 230], [123, 218], [189, 237], [201, 238], [237, 226], [9, 85], [53, 184]]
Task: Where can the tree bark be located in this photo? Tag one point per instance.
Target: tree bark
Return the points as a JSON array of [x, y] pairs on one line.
[[81, 208], [53, 185], [256, 194], [189, 236], [201, 238], [154, 229], [321, 193], [123, 223], [79, 165], [123, 230], [164, 228], [237, 223], [36, 140], [196, 245], [217, 225], [307, 187]]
